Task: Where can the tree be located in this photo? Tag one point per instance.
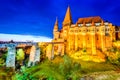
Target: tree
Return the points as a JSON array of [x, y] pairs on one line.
[[114, 56], [20, 54]]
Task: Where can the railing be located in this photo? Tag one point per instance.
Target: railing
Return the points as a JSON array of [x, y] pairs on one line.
[[5, 44]]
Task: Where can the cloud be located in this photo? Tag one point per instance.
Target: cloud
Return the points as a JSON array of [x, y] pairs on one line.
[[15, 37]]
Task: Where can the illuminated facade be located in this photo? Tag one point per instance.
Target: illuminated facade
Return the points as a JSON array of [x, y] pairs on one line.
[[91, 33]]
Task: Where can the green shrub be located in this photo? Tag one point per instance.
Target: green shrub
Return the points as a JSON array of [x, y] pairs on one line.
[[114, 56]]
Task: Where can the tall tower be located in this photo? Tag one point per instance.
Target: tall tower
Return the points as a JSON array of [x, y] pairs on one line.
[[55, 30], [66, 23], [68, 18], [56, 25]]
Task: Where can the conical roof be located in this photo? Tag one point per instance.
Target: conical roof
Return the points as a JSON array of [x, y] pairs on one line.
[[68, 17], [56, 25]]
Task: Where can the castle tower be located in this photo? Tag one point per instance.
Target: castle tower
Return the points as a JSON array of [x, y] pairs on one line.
[[67, 23], [56, 25], [68, 18], [55, 30]]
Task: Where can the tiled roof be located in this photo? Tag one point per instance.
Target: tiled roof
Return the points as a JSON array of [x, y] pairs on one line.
[[90, 19]]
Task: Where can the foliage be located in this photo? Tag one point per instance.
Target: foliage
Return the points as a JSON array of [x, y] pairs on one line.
[[113, 49], [20, 54], [114, 56], [3, 58], [63, 69], [6, 73], [2, 62], [23, 75], [42, 52]]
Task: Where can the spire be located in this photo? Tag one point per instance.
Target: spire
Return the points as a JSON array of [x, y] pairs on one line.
[[56, 25], [56, 22], [68, 18]]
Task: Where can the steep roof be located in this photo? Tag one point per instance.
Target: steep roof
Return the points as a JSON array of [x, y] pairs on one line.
[[68, 17], [56, 25], [90, 19]]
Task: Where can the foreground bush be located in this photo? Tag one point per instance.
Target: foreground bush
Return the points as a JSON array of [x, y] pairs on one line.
[[60, 68], [114, 56]]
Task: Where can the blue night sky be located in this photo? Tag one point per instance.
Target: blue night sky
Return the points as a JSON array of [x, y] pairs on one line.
[[37, 17]]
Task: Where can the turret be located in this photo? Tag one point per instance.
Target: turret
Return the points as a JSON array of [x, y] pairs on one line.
[[66, 24], [56, 25], [68, 18], [55, 30]]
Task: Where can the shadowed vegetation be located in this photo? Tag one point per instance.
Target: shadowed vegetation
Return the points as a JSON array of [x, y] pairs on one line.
[[62, 68]]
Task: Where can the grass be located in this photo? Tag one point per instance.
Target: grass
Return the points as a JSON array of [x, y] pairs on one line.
[[45, 69], [6, 73], [94, 66], [62, 68], [51, 68]]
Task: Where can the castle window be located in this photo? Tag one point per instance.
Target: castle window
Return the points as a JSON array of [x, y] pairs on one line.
[[88, 24], [106, 23], [80, 25], [97, 24]]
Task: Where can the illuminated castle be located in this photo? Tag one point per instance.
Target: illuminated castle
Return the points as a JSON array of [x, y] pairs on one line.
[[91, 33]]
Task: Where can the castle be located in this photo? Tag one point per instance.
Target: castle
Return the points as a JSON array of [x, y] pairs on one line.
[[90, 32]]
